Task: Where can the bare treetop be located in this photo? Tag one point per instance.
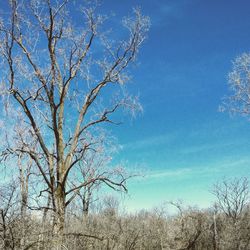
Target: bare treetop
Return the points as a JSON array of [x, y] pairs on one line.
[[238, 102]]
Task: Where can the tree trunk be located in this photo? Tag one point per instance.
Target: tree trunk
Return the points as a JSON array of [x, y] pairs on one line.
[[59, 219], [86, 202], [4, 231], [23, 219], [24, 188], [215, 233]]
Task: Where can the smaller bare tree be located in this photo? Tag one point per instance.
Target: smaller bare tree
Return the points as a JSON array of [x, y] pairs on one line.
[[8, 198], [232, 197]]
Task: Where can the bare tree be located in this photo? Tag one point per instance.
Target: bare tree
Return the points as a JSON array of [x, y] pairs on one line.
[[61, 75], [8, 214], [232, 197], [24, 176], [189, 227], [16, 135], [96, 163], [238, 101]]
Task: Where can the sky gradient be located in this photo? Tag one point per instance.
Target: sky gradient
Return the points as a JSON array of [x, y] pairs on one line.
[[181, 143]]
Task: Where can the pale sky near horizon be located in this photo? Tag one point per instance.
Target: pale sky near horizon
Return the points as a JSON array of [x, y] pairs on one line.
[[181, 144]]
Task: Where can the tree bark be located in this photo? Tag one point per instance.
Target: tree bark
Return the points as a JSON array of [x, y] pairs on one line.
[[24, 185], [59, 219]]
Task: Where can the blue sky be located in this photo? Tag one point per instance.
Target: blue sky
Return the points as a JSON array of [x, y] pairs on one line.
[[181, 142]]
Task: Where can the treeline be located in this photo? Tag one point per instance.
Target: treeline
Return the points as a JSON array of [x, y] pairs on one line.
[[225, 225]]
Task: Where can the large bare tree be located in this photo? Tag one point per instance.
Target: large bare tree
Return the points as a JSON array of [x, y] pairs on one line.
[[67, 76]]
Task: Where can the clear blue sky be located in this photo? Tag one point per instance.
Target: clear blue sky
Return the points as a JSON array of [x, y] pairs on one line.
[[181, 142]]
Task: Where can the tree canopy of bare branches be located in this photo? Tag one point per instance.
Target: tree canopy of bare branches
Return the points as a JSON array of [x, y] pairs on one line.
[[232, 197], [238, 101], [66, 76]]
